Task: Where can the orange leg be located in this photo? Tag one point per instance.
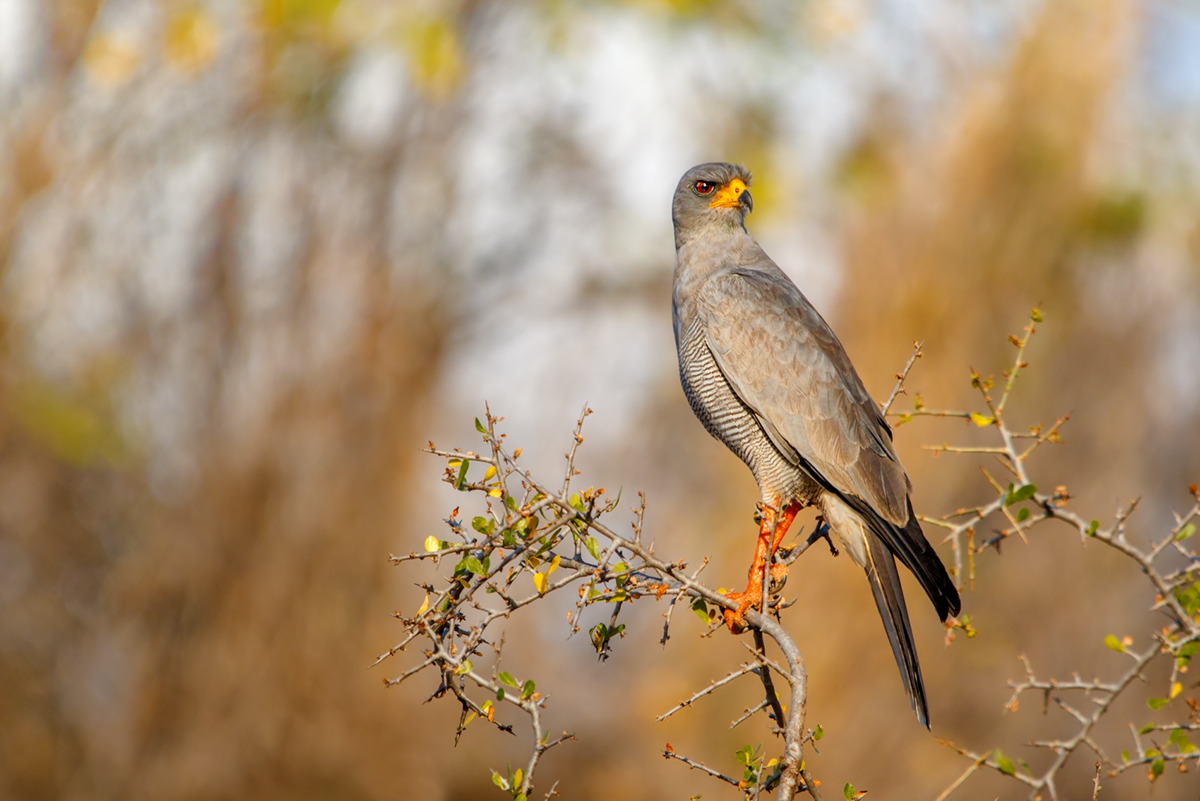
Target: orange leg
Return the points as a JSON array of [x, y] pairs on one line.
[[763, 552]]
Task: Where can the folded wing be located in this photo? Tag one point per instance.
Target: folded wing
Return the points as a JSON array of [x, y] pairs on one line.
[[785, 363]]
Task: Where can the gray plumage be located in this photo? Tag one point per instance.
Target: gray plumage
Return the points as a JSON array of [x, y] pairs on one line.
[[767, 376]]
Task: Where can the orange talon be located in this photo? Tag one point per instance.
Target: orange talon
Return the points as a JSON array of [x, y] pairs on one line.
[[763, 553]]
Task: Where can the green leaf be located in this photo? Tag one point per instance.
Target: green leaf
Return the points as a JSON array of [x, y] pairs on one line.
[[1023, 514], [1025, 767], [981, 420], [848, 792], [1186, 652], [511, 503], [701, 609], [593, 547], [1020, 494], [1004, 763], [499, 781], [1112, 642], [1093, 527], [462, 474], [599, 634], [1149, 727], [527, 689], [1185, 532], [1157, 703], [1156, 769], [474, 565], [1179, 737], [500, 694], [742, 755], [506, 678], [1189, 597], [465, 667], [1124, 757], [520, 797], [1036, 315], [818, 733], [483, 525], [479, 426]]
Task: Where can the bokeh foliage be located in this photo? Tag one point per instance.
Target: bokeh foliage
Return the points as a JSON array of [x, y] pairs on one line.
[[254, 254]]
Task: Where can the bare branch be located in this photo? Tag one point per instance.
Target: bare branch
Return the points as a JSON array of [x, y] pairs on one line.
[[741, 671], [668, 753], [903, 374]]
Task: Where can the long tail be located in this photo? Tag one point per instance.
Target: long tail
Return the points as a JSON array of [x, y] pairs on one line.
[[911, 547], [889, 598], [876, 543]]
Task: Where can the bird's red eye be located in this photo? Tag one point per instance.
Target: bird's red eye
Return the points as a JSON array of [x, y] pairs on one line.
[[704, 187]]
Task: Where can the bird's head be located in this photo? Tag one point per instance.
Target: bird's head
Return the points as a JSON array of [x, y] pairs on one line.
[[713, 194]]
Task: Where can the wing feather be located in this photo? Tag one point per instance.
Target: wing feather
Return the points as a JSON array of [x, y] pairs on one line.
[[785, 363]]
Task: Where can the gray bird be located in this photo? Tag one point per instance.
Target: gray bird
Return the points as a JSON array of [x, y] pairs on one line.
[[766, 376]]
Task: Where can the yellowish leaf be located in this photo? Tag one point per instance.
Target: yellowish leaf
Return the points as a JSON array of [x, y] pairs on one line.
[[191, 39], [432, 545], [554, 564], [110, 60], [496, 493], [981, 420], [424, 605], [491, 471], [436, 56], [539, 581], [1176, 689]]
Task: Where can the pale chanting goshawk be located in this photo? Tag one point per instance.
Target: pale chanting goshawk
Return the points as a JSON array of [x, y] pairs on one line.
[[766, 376]]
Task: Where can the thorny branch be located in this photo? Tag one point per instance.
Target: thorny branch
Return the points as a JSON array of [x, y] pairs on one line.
[[529, 529], [1020, 507], [558, 540]]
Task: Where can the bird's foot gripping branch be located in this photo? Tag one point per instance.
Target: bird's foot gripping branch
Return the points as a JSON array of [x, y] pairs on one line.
[[529, 540]]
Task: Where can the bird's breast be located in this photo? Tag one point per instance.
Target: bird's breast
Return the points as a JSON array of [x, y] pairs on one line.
[[729, 420]]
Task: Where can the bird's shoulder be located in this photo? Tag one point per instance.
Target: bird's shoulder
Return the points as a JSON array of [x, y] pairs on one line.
[[757, 310]]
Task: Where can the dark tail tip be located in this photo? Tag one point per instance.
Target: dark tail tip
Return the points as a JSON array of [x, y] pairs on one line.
[[889, 598], [927, 566]]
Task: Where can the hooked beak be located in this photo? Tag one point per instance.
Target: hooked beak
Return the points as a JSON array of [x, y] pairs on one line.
[[731, 196]]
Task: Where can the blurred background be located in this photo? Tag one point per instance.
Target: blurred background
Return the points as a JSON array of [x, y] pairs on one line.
[[254, 254]]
